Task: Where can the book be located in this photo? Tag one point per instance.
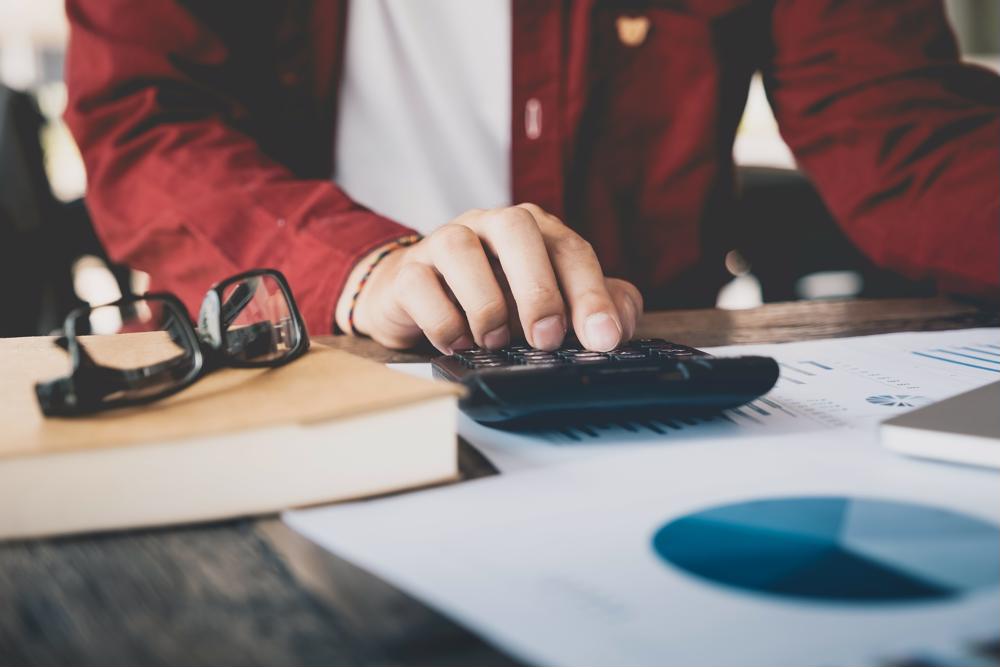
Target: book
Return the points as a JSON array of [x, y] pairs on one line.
[[960, 429], [329, 426]]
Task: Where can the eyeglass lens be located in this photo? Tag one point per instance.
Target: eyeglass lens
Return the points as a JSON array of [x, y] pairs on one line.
[[257, 322], [146, 339]]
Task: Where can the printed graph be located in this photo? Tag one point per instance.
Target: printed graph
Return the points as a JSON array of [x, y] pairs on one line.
[[983, 356], [898, 400], [841, 549]]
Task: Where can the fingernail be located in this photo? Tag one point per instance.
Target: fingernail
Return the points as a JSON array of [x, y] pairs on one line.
[[548, 332], [603, 332], [497, 338], [464, 342]]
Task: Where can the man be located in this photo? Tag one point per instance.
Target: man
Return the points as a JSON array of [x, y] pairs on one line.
[[220, 136]]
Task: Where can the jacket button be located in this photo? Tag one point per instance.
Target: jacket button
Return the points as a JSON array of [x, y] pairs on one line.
[[533, 118], [632, 30]]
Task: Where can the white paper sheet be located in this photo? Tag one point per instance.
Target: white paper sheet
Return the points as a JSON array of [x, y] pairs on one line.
[[556, 564], [843, 383]]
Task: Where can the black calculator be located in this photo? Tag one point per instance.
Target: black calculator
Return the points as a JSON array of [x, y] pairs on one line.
[[521, 387]]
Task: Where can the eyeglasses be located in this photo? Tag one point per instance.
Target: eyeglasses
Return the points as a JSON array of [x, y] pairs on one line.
[[141, 349]]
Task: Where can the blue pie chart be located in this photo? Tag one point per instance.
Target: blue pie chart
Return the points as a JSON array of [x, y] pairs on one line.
[[833, 549]]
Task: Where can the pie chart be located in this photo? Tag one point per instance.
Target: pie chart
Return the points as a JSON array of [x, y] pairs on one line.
[[898, 400], [835, 549]]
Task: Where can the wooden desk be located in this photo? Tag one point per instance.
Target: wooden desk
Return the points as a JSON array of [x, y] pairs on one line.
[[253, 592]]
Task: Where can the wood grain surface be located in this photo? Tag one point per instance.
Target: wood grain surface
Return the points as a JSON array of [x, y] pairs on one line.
[[252, 592]]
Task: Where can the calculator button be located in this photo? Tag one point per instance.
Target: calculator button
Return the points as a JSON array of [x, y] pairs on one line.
[[552, 361], [483, 357], [487, 364], [674, 354], [628, 355]]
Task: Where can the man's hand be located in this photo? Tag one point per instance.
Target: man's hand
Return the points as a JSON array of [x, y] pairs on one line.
[[488, 276]]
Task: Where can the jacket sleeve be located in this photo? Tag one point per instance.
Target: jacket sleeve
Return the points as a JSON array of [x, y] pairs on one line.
[[176, 186], [902, 140]]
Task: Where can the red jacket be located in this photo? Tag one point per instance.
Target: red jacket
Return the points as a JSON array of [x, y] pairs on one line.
[[207, 132]]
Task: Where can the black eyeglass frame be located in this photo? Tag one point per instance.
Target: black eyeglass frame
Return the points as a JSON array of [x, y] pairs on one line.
[[85, 389]]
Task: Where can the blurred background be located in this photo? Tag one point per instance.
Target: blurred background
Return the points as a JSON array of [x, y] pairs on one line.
[[33, 36]]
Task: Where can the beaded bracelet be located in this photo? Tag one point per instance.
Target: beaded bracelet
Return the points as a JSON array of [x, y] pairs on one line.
[[396, 245]]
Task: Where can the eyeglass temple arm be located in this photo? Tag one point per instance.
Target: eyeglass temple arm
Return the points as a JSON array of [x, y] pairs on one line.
[[255, 339], [237, 301], [250, 337]]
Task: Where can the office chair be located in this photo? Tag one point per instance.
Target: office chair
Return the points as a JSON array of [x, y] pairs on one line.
[[785, 232], [40, 237]]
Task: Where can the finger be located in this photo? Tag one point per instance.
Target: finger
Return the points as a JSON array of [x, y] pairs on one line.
[[596, 319], [513, 236], [420, 294], [513, 317], [459, 256], [628, 302]]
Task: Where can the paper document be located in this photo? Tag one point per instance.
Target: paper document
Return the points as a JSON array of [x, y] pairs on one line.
[[755, 552], [842, 383]]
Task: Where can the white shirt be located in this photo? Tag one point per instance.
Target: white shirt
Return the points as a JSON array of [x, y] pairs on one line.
[[423, 129]]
